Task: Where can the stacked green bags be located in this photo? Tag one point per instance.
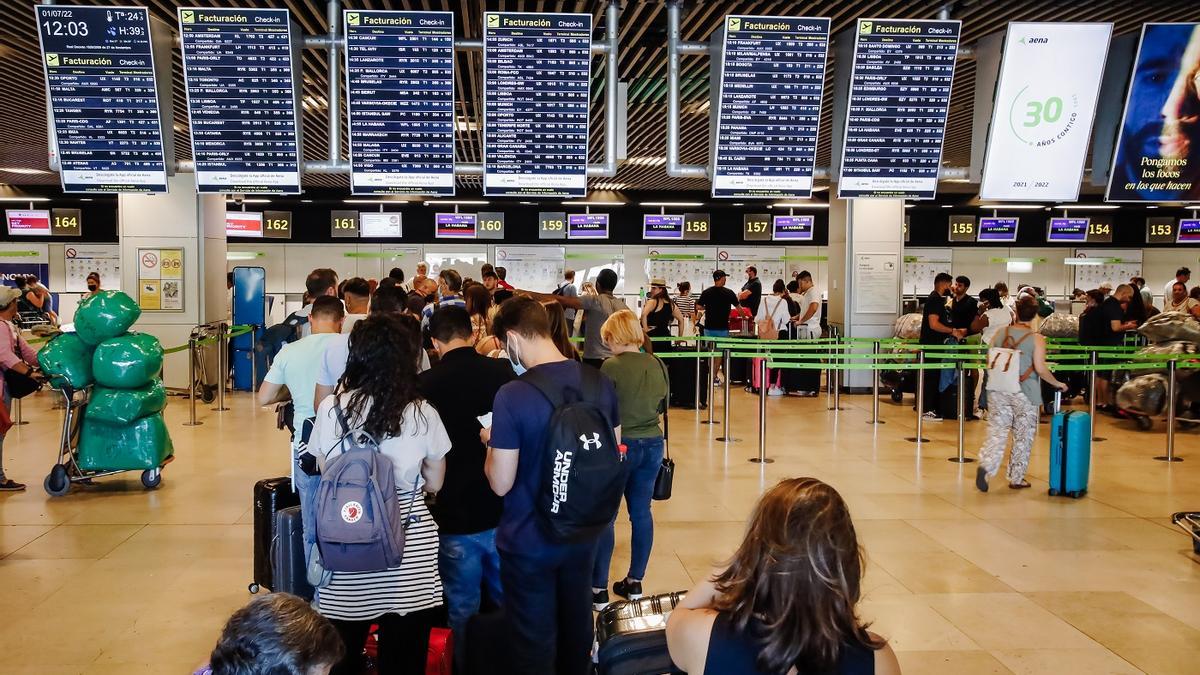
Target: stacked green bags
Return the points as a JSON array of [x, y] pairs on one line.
[[123, 427]]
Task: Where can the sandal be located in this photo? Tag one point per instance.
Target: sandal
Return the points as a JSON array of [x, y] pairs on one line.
[[1019, 486]]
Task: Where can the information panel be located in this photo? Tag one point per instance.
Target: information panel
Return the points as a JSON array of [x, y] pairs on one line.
[[1068, 230], [1157, 157], [1189, 231], [899, 100], [552, 225], [277, 224], [1044, 106], [243, 224], [489, 225], [1160, 230], [655, 226], [380, 225], [792, 228], [962, 228], [66, 222], [28, 223], [455, 225], [997, 230], [697, 226], [772, 77], [756, 227], [238, 68], [537, 77], [587, 226], [400, 96], [99, 67]]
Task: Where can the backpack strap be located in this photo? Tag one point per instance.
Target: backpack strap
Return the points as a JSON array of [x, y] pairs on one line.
[[559, 394]]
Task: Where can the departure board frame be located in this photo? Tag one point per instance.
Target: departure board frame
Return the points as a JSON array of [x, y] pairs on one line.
[[58, 47], [796, 153], [869, 43], [516, 177], [416, 107], [286, 178]]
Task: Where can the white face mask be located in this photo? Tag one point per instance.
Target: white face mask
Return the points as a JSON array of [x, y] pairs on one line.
[[512, 348]]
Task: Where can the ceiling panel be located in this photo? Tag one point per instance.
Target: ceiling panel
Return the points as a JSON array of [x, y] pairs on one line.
[[643, 65]]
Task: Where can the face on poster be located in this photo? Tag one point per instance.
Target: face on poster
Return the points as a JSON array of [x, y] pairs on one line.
[[1158, 151], [1045, 103]]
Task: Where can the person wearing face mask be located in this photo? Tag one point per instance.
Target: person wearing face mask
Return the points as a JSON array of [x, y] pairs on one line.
[[93, 284], [547, 582]]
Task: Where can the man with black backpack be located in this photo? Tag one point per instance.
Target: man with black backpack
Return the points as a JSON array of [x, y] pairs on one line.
[[554, 454]]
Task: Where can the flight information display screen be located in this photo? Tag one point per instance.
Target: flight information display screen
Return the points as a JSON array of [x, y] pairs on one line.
[[655, 226], [455, 226], [793, 228], [537, 79], [1068, 229], [1189, 231], [372, 225], [238, 68], [772, 78], [28, 223], [587, 226], [243, 224], [899, 100], [99, 67], [400, 96], [998, 229]]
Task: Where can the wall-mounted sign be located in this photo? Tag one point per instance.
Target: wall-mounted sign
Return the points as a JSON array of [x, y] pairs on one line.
[[80, 260], [400, 97], [66, 222], [1044, 106], [998, 229], [1157, 157], [1189, 231], [962, 228], [657, 226], [1160, 230], [243, 224], [343, 224], [455, 225], [375, 225], [25, 223], [1068, 230], [587, 226], [771, 80], [899, 100], [536, 84], [160, 279], [756, 227], [792, 228], [242, 106], [552, 225], [697, 226], [99, 66], [489, 225], [277, 224]]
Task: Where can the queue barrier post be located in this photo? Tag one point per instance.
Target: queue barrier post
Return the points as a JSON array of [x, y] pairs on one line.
[[18, 421], [712, 391], [875, 350], [1171, 393], [253, 358], [918, 439], [836, 381], [962, 413], [762, 416], [192, 355], [222, 365], [696, 391], [728, 437], [1093, 360]]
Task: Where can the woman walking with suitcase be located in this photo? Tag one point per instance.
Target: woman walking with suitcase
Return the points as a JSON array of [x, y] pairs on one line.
[[1014, 396]]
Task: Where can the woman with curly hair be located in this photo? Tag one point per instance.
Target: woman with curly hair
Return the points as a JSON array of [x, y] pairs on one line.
[[377, 395], [785, 603]]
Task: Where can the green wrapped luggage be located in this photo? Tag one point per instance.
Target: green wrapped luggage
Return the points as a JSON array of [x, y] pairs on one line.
[[67, 360], [127, 362], [145, 444], [125, 406], [105, 315]]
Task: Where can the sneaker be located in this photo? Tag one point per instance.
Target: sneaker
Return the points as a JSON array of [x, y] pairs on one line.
[[981, 479], [11, 485], [775, 391], [630, 590], [599, 600], [931, 416]]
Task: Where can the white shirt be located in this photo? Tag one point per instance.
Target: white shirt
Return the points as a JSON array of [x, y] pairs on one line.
[[997, 318], [1170, 288], [775, 308], [351, 319], [807, 298], [337, 352]]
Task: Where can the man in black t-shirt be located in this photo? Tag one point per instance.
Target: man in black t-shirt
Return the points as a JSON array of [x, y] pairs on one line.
[[936, 327], [1110, 332], [963, 311], [751, 294], [717, 301]]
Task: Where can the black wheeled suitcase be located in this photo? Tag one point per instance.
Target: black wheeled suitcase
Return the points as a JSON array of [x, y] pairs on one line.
[[270, 496], [290, 572], [632, 636], [682, 373]]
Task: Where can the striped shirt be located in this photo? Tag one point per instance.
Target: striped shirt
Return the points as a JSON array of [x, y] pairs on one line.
[[686, 304]]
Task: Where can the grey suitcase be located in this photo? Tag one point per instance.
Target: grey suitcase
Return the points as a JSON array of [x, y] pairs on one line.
[[287, 555], [632, 636]]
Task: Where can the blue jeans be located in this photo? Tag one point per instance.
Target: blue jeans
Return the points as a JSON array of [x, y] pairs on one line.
[[466, 562], [306, 485], [645, 457], [548, 609], [713, 332]]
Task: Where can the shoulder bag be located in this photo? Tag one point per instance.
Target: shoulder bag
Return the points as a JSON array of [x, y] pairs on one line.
[[665, 479]]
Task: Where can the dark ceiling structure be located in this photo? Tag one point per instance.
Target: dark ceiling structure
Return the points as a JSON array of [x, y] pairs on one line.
[[643, 65]]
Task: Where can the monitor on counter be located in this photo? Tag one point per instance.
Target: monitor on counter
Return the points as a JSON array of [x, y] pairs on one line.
[[243, 224], [1189, 231], [28, 223], [997, 230], [792, 228], [379, 225], [1068, 230], [587, 226], [455, 225], [656, 226]]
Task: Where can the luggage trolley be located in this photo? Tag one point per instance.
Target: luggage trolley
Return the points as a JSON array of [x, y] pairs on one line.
[[66, 469], [1189, 521]]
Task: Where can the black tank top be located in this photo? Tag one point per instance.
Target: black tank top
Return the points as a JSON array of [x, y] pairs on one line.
[[659, 320], [732, 653]]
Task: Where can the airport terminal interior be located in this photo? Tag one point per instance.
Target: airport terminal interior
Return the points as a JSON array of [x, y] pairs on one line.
[[839, 225]]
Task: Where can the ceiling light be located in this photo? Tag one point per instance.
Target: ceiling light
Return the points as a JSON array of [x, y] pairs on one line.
[[22, 170], [908, 206], [1087, 207], [24, 199], [461, 202], [800, 205], [305, 201], [528, 203], [679, 204], [584, 202], [1012, 207], [947, 206], [1151, 206], [248, 201]]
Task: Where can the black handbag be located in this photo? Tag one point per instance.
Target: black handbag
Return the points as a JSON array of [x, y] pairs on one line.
[[666, 471], [19, 385]]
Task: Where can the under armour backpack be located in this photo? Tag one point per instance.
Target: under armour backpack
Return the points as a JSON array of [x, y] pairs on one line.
[[583, 467], [359, 524]]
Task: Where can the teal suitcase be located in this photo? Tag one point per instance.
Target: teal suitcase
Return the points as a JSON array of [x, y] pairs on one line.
[[1070, 451]]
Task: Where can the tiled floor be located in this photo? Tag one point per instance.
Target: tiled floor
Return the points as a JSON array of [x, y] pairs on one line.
[[112, 579]]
